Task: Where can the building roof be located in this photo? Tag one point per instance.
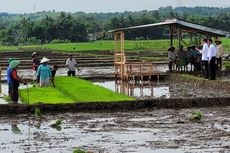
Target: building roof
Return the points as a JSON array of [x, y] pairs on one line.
[[185, 26]]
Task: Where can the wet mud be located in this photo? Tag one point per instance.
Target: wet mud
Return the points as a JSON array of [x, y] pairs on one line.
[[147, 131]]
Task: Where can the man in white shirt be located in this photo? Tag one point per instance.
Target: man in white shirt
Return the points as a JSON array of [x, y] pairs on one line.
[[211, 59], [204, 57], [71, 64]]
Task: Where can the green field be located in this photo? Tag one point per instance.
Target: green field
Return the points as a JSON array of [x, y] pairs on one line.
[[108, 45], [70, 90]]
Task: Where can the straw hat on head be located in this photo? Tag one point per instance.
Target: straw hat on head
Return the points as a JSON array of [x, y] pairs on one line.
[[171, 48], [44, 60], [218, 40], [34, 53], [14, 63]]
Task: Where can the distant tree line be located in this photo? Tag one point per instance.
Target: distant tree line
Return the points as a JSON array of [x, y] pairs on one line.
[[46, 27]]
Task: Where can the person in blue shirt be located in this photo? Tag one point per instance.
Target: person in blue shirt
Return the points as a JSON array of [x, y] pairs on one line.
[[44, 72]]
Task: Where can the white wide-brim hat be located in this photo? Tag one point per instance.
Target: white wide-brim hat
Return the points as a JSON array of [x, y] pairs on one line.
[[44, 60]]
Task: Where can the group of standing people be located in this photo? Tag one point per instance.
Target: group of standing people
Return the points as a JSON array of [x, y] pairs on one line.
[[42, 73], [211, 57]]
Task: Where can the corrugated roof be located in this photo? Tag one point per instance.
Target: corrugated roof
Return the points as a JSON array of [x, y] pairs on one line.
[[184, 26]]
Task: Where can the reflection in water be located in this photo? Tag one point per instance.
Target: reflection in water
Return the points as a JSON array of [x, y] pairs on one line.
[[14, 128], [141, 89], [4, 91]]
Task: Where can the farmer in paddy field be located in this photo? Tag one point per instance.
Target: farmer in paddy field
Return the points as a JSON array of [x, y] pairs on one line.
[[44, 72], [14, 81], [8, 75], [53, 69], [71, 64], [35, 65]]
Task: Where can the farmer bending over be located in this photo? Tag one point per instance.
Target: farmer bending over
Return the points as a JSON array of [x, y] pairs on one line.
[[44, 72]]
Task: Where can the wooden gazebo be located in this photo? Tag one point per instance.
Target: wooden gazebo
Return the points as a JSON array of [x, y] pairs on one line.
[[130, 70]]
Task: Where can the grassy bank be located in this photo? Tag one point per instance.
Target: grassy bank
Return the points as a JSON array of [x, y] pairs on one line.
[[109, 45], [70, 90]]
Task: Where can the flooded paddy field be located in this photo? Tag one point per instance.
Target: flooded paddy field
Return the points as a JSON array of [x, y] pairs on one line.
[[162, 89], [142, 90], [147, 131]]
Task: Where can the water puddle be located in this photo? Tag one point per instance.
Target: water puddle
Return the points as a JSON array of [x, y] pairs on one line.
[[117, 132], [162, 89], [140, 90], [4, 92]]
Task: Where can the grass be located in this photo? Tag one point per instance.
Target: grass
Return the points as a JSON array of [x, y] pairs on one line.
[[85, 91], [133, 45], [47, 95], [70, 90]]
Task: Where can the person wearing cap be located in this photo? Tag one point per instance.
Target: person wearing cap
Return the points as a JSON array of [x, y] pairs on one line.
[[14, 81], [44, 72], [204, 57], [171, 57], [71, 64], [211, 60], [219, 53], [35, 65]]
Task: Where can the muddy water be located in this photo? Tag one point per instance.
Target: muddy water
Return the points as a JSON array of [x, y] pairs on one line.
[[84, 71], [156, 131], [149, 90], [4, 92]]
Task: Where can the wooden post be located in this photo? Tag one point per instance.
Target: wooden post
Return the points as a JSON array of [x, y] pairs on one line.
[[171, 35], [119, 55], [0, 74], [0, 80], [179, 37]]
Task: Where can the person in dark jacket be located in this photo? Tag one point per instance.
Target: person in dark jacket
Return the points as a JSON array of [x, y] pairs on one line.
[[15, 80]]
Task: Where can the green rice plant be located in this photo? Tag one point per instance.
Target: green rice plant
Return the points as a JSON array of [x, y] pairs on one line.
[[6, 98], [57, 125], [195, 116], [227, 66], [77, 150], [85, 91], [70, 90], [58, 122], [37, 113], [47, 95]]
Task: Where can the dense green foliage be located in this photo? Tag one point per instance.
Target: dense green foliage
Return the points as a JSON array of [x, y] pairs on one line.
[[70, 90], [45, 27]]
